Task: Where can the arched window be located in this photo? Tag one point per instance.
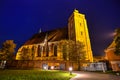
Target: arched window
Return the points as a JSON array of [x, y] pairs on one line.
[[44, 53], [55, 50], [39, 51], [33, 52], [47, 51]]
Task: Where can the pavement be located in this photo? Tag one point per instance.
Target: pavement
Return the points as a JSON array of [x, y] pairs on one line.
[[81, 75]]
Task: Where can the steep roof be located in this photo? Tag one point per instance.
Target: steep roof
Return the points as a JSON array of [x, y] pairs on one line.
[[112, 45], [53, 35]]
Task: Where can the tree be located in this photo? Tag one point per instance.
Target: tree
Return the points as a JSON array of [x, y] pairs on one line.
[[7, 51], [117, 41], [1, 55], [72, 51], [63, 47]]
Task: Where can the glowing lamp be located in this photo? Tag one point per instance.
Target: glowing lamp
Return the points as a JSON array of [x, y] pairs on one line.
[[52, 67], [70, 70], [45, 67]]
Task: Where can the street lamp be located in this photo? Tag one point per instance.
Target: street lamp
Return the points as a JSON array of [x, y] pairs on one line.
[[70, 70]]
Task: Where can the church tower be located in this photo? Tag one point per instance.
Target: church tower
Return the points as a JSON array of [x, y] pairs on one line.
[[78, 31]]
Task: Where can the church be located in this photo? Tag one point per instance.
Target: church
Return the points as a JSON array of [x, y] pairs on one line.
[[44, 46]]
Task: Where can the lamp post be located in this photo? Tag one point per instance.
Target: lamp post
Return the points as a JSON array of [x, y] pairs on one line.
[[70, 70]]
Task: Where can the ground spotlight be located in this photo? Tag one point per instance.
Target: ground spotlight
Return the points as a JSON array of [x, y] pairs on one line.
[[52, 67], [70, 70]]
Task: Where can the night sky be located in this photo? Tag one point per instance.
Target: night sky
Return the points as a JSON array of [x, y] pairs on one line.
[[20, 19]]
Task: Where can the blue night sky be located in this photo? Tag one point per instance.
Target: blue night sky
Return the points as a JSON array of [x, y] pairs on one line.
[[20, 19]]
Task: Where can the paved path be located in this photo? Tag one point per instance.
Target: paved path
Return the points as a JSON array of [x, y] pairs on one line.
[[81, 75]]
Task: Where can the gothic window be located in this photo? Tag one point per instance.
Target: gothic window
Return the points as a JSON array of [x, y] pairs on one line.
[[51, 50], [47, 51], [55, 50], [33, 51], [39, 51], [44, 51]]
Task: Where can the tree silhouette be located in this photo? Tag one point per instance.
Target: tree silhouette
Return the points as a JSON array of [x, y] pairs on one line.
[[73, 51], [8, 50]]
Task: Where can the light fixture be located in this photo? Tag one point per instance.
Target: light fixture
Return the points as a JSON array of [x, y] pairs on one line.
[[52, 67], [70, 70], [45, 68]]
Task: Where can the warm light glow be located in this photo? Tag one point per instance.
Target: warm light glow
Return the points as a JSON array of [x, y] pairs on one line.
[[114, 33], [52, 67], [80, 33], [70, 68], [111, 34], [45, 67]]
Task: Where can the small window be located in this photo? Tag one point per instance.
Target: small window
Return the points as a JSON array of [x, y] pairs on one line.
[[81, 33], [80, 24]]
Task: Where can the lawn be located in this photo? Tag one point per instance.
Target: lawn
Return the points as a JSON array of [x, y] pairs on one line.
[[34, 75]]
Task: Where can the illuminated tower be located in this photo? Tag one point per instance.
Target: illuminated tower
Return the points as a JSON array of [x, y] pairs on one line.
[[78, 31]]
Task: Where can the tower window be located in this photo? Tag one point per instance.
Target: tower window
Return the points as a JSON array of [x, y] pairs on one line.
[[80, 24], [81, 33]]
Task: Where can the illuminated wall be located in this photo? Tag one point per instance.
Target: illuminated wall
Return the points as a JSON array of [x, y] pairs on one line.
[[78, 31], [38, 52]]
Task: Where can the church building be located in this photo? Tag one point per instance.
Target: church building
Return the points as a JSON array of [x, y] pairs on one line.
[[44, 46]]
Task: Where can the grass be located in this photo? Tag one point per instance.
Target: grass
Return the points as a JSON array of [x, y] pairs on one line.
[[34, 75]]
